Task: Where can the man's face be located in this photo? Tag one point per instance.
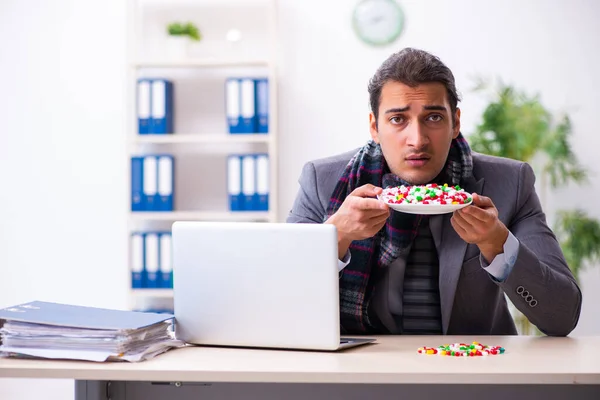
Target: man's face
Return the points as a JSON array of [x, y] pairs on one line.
[[414, 129]]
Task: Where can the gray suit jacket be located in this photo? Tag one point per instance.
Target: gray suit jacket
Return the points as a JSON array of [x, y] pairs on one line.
[[540, 285]]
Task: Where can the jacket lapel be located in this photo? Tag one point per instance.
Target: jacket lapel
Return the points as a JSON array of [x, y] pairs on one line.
[[451, 252]]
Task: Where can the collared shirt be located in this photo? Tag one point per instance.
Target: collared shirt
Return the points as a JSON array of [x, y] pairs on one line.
[[499, 268]]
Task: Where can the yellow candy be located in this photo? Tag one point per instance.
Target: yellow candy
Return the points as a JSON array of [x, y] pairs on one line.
[[429, 351]]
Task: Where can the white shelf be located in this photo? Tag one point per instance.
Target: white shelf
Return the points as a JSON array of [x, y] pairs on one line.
[[212, 3], [202, 139], [202, 216], [145, 44], [156, 293], [202, 63]]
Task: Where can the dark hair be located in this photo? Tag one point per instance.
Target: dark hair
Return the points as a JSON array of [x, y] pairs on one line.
[[412, 67]]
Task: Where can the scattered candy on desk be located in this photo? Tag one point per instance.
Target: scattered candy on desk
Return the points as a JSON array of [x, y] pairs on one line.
[[463, 350]]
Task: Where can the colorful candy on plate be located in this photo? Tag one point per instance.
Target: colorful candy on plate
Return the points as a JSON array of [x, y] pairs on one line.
[[426, 199]]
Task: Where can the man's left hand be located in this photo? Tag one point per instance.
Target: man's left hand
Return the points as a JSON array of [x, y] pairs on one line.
[[479, 224]]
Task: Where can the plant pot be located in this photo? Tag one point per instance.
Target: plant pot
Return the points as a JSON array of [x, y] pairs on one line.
[[177, 48]]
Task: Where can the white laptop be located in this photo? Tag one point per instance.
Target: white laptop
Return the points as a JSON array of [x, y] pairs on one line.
[[269, 285]]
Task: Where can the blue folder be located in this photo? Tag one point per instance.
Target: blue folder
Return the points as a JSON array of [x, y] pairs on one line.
[[151, 260], [40, 312], [261, 196], [262, 105], [161, 112], [143, 105], [166, 260], [165, 186], [234, 183], [137, 260], [248, 117], [233, 105], [137, 184]]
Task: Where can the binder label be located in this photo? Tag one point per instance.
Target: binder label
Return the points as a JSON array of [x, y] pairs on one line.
[[159, 103]]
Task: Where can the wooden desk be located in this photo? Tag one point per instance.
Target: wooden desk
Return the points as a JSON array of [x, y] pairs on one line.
[[532, 367]]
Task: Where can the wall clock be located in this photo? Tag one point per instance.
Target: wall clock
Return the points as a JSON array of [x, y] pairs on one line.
[[378, 22]]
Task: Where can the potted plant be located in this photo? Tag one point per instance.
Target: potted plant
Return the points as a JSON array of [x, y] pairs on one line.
[[180, 35], [516, 125]]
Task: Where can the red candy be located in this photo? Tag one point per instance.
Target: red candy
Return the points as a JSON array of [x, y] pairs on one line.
[[426, 194]]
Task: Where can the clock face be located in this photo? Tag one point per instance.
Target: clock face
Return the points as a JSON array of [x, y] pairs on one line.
[[378, 22]]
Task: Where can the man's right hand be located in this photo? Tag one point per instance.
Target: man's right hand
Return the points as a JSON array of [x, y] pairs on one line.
[[359, 217]]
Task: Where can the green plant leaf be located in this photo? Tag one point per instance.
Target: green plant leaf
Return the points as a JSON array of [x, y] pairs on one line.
[[187, 29], [516, 125], [579, 237], [564, 166]]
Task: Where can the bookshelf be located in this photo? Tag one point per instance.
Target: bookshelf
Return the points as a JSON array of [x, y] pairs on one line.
[[153, 293], [217, 138], [202, 216], [205, 63], [200, 143]]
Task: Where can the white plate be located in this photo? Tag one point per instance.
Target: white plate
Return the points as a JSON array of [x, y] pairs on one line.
[[426, 209]]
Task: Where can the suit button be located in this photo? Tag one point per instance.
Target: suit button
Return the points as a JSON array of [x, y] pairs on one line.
[[520, 289], [525, 293], [533, 303], [529, 298], [512, 260]]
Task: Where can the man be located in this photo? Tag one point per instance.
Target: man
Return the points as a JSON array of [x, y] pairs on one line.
[[443, 274]]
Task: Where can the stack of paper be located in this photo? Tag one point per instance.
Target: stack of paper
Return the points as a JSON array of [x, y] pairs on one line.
[[61, 331]]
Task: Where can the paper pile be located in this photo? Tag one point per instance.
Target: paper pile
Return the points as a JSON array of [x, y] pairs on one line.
[[60, 331]]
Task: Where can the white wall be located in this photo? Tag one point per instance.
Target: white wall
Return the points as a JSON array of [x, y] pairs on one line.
[[62, 152], [548, 47], [63, 201]]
